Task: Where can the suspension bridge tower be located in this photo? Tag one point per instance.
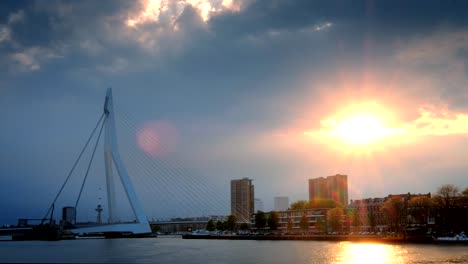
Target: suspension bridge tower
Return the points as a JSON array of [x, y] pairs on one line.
[[113, 160]]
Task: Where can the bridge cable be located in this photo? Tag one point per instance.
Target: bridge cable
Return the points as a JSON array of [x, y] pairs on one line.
[[167, 166], [73, 167], [181, 171], [193, 179], [144, 166], [89, 164], [147, 164]]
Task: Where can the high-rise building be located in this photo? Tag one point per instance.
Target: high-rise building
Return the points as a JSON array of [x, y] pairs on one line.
[[281, 203], [242, 199], [333, 187]]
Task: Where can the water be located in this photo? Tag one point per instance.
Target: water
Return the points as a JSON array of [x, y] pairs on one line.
[[177, 250]]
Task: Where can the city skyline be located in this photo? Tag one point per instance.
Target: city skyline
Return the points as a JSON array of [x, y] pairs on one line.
[[208, 91]]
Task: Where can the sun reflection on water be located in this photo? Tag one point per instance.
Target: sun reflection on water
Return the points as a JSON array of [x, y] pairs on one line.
[[369, 253]]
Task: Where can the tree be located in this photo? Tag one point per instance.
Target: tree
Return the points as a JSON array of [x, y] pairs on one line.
[[314, 203], [244, 226], [231, 222], [304, 223], [155, 228], [393, 209], [210, 226], [299, 205], [321, 225], [273, 220], [323, 203], [447, 203], [260, 220], [290, 225], [356, 219], [464, 198], [445, 194], [220, 225], [465, 192], [347, 222], [371, 220], [334, 218]]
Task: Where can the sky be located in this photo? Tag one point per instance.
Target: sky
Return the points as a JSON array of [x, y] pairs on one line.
[[277, 91]]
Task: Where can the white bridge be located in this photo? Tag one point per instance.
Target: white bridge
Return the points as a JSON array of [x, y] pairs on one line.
[[112, 159]]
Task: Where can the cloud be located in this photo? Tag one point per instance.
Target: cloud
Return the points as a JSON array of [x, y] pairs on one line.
[[439, 48], [101, 30], [5, 34], [31, 59], [167, 11], [440, 122], [16, 17], [433, 121], [164, 26], [117, 65], [323, 26], [436, 65], [5, 30]]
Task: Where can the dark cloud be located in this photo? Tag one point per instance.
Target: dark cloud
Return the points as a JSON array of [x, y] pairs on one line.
[[369, 16]]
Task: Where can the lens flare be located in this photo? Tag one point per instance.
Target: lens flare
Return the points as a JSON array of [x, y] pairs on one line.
[[157, 138]]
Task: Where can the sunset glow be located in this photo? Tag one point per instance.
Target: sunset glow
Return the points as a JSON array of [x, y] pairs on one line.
[[358, 127]]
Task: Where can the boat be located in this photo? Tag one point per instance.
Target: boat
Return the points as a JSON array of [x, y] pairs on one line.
[[457, 239]]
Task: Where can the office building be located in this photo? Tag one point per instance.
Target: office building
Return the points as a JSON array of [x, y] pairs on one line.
[[242, 199], [332, 187], [281, 203]]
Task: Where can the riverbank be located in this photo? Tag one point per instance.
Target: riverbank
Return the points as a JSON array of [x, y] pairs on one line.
[[350, 238], [287, 237]]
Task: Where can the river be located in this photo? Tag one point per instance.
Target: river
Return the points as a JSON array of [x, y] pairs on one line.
[[178, 250]]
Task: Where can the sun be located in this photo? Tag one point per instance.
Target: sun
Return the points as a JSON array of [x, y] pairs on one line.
[[358, 129], [362, 126]]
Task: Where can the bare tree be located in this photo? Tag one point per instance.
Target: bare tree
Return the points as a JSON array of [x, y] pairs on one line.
[[445, 195]]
